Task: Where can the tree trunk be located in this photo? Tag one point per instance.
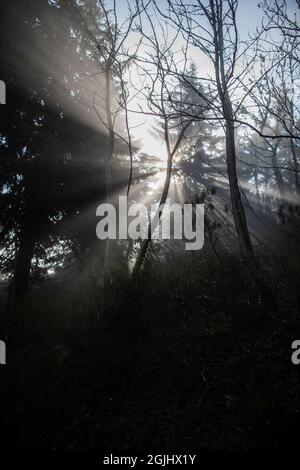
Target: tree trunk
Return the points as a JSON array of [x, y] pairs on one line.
[[23, 264], [235, 193], [146, 242], [277, 172], [296, 167], [222, 86], [256, 185], [110, 151]]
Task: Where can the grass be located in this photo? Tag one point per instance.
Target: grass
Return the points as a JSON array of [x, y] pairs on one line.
[[190, 358]]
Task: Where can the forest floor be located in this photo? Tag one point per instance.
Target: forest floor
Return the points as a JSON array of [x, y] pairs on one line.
[[191, 359]]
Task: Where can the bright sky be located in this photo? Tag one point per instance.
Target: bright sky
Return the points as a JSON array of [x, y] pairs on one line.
[[248, 18]]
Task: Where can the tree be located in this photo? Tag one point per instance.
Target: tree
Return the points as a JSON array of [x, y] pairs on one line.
[[165, 106], [43, 148], [218, 40]]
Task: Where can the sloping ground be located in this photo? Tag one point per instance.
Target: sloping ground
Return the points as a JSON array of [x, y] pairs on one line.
[[190, 360]]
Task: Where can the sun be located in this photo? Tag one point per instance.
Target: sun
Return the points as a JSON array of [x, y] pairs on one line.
[[155, 147]]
